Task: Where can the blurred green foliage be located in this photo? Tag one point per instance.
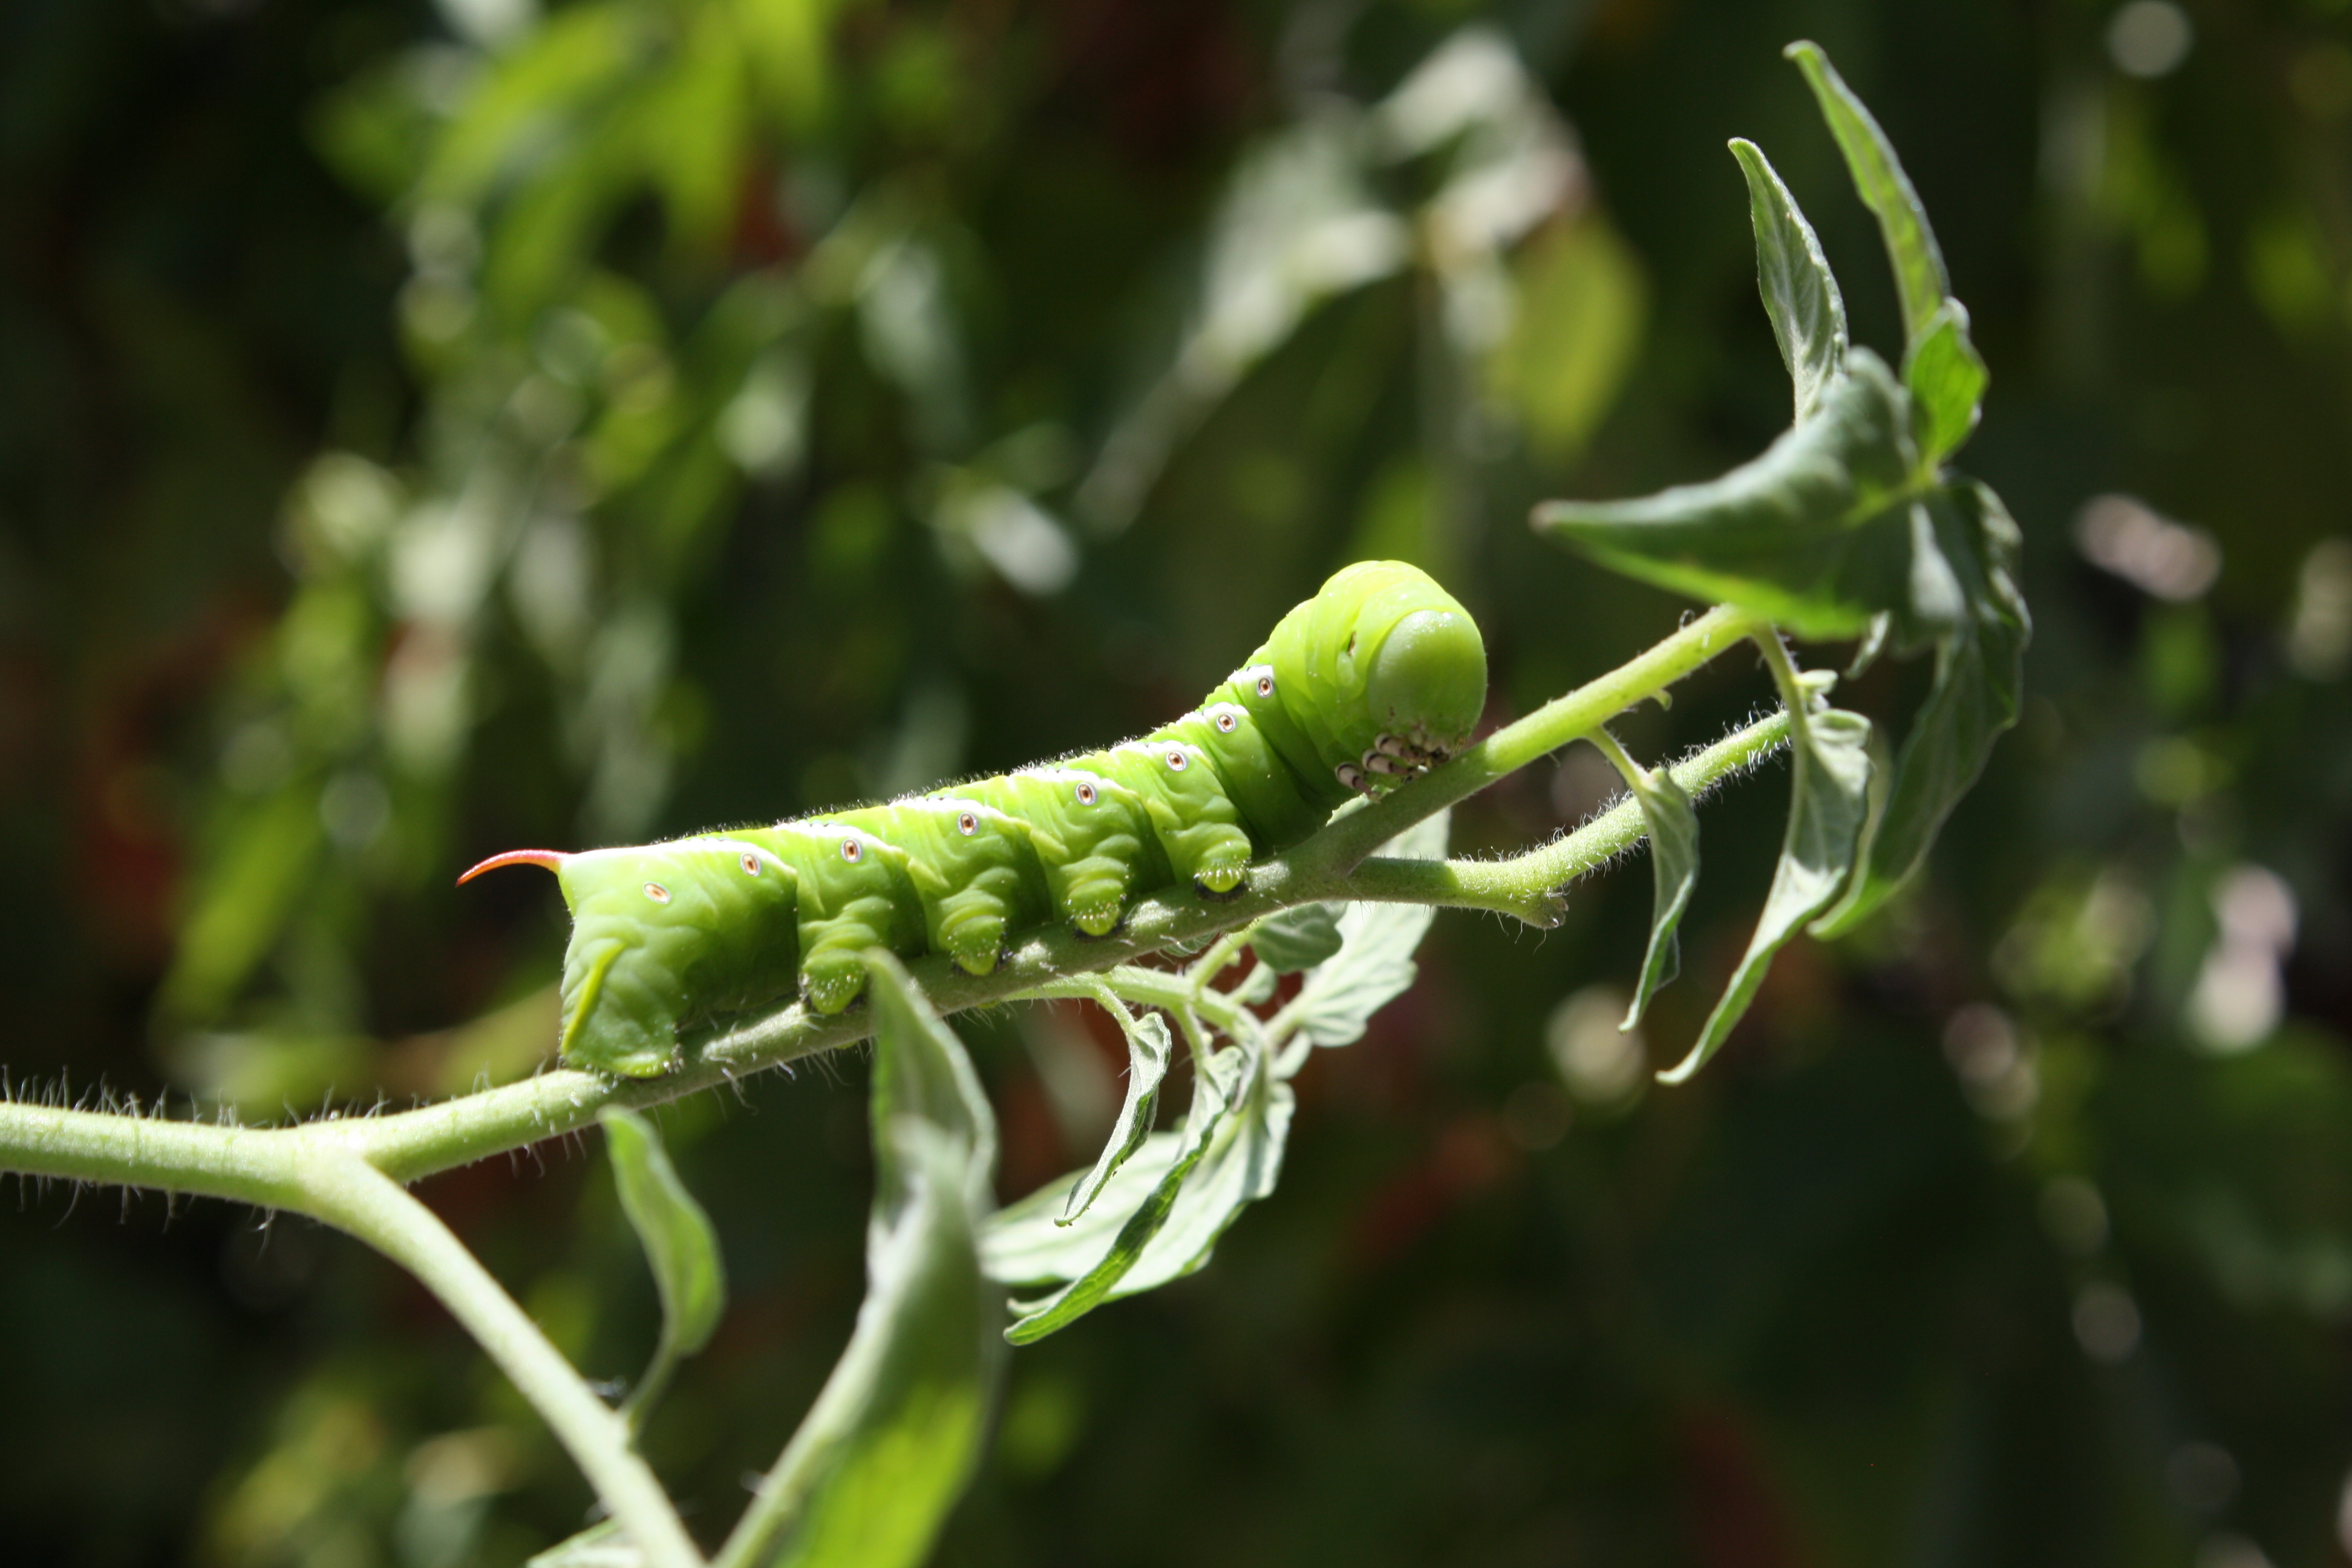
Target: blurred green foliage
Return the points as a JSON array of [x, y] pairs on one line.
[[430, 430]]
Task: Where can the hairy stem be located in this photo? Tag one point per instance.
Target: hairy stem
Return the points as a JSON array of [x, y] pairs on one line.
[[323, 1168], [1172, 992], [1528, 886], [1210, 964], [1791, 686], [258, 1165]]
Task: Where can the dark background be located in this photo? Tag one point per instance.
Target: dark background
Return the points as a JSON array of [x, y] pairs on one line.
[[428, 431]]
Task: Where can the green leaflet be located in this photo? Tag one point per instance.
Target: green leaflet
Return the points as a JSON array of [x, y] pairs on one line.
[[1944, 373], [1024, 1243], [1822, 533], [1920, 276], [1817, 535], [1241, 1166], [1674, 872], [1148, 1049], [1825, 814], [1296, 939], [1374, 964], [1979, 676], [1801, 294], [680, 1243], [886, 1448], [1946, 379], [1874, 638], [1166, 1209], [1214, 1083]]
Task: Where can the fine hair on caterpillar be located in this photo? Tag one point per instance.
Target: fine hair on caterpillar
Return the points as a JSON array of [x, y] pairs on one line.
[[1376, 679]]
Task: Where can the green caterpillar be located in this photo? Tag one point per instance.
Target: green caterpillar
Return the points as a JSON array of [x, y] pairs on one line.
[[1378, 676]]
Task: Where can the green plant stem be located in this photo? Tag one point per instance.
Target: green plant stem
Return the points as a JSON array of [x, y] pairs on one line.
[[323, 1168], [1187, 1024], [1165, 989], [1210, 964], [1785, 678], [1526, 886], [1100, 990], [256, 1165], [347, 1192]]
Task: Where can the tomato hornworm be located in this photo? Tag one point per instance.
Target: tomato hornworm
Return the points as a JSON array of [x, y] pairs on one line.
[[1378, 676]]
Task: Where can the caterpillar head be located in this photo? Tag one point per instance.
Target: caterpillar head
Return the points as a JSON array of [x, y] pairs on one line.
[[650, 925], [1381, 673]]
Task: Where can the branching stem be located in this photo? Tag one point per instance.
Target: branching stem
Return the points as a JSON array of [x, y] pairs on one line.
[[350, 1171], [1211, 963], [251, 1164]]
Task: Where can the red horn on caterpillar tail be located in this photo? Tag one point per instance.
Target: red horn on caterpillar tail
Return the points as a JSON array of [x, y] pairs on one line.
[[552, 859]]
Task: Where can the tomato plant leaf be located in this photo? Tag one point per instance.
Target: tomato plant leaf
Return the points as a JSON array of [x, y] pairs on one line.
[[1946, 379], [1162, 1216], [1241, 1166], [1214, 1083], [1148, 1049], [1827, 802], [1920, 276], [1024, 1243], [1800, 293], [1979, 676], [1817, 535], [1296, 939], [1673, 822], [886, 1448], [680, 1245]]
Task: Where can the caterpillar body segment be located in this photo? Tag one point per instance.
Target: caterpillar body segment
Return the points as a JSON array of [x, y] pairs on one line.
[[1264, 789], [1198, 826], [856, 891], [1093, 839], [671, 934], [1378, 676], [974, 868]]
